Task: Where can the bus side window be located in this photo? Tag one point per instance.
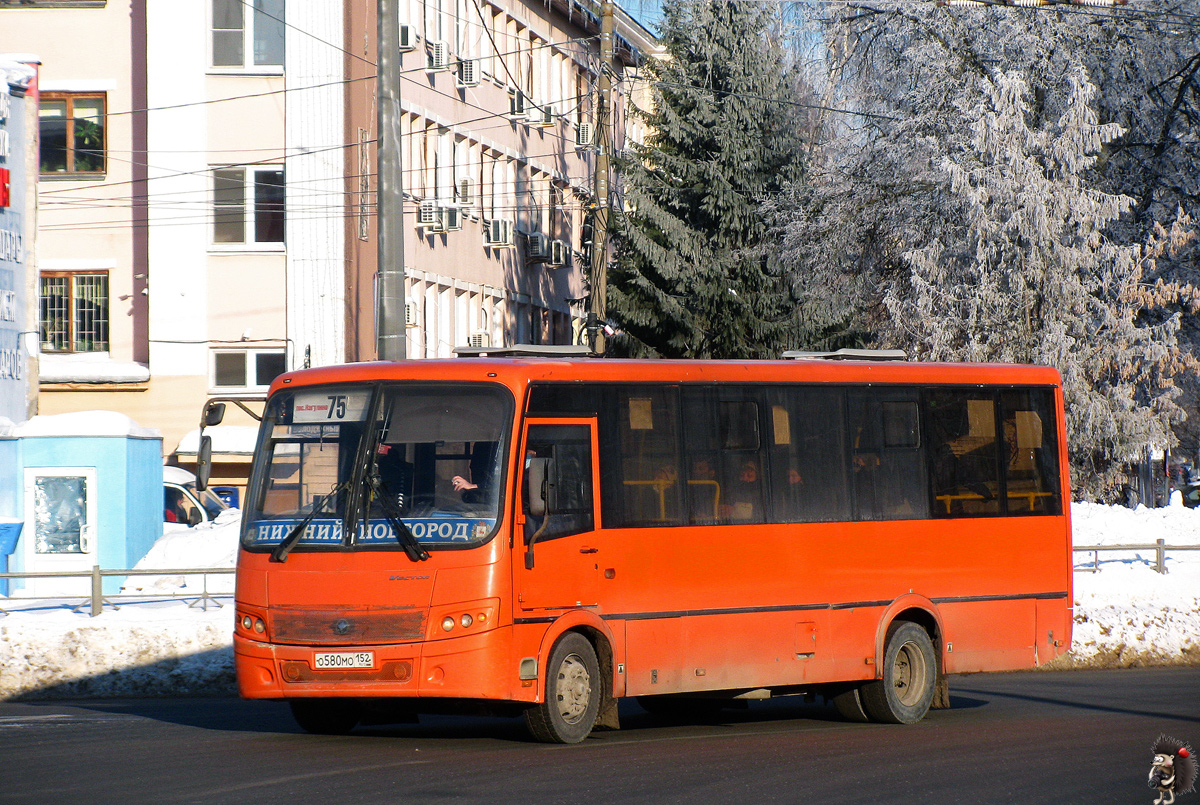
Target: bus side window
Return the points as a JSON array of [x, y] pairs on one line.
[[648, 424], [808, 450], [962, 453], [1030, 452], [559, 501], [887, 467]]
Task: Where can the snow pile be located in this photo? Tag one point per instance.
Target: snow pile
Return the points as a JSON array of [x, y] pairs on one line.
[[1125, 614], [161, 649], [207, 545]]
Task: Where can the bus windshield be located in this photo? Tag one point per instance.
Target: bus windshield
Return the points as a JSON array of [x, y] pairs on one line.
[[430, 457]]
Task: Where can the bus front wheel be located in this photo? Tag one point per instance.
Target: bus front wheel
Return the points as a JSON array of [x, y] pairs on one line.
[[326, 716], [573, 691], [906, 690]]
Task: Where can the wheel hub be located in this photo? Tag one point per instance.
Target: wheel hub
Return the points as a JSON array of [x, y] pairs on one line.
[[573, 689]]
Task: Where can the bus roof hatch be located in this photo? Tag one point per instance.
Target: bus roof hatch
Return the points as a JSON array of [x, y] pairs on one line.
[[527, 351], [848, 355]]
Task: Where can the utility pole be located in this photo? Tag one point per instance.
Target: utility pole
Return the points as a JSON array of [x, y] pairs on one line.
[[390, 339], [605, 140]]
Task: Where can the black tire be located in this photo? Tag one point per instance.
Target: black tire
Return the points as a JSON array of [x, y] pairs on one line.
[[906, 690], [326, 716], [849, 705], [573, 692], [681, 708]]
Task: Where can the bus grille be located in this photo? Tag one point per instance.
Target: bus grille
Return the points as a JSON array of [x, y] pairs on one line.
[[335, 627]]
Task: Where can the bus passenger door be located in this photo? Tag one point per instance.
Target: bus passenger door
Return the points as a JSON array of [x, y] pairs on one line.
[[557, 566]]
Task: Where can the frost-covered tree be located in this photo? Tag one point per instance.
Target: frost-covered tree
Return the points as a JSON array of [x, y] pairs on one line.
[[1031, 277], [910, 80], [903, 73], [688, 280]]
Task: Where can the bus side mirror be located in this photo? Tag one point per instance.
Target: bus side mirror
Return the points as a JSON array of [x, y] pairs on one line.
[[213, 414], [204, 462]]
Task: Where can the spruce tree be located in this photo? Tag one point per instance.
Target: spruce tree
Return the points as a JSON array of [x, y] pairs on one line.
[[690, 279]]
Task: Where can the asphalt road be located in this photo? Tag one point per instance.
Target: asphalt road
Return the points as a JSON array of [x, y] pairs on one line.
[[1071, 737]]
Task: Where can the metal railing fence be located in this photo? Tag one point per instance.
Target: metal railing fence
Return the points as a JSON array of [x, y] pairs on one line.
[[1159, 547], [97, 600]]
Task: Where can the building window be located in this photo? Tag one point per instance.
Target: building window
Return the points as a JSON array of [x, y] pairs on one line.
[[74, 311], [246, 369], [248, 205], [253, 39], [71, 131]]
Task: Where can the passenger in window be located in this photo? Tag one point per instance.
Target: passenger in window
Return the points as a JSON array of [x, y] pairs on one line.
[[745, 498]]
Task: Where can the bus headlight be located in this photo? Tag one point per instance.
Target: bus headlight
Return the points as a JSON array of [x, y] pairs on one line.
[[250, 623], [461, 619]]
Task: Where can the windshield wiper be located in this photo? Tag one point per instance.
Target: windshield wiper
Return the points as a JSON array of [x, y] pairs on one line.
[[392, 513], [284, 548]]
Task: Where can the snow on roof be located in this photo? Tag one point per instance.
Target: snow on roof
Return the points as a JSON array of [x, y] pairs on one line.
[[81, 423], [89, 367], [226, 440], [14, 71]]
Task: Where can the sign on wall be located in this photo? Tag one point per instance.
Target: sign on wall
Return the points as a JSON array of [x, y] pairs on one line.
[[14, 383]]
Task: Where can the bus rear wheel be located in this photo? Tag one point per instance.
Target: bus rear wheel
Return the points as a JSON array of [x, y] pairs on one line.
[[326, 716], [573, 692], [906, 690]]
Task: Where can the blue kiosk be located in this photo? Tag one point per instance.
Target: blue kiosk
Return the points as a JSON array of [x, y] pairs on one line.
[[79, 490]]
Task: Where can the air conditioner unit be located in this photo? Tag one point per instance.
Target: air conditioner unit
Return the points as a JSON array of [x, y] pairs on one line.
[[411, 314], [560, 253], [479, 339], [584, 134], [427, 214], [518, 104], [540, 116], [439, 55], [408, 36], [451, 218], [500, 233], [464, 188], [468, 72], [539, 247]]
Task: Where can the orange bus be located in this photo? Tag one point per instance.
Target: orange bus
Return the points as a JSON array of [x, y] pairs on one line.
[[548, 533]]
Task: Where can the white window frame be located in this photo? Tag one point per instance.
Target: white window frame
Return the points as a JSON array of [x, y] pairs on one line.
[[248, 242], [247, 67], [251, 354]]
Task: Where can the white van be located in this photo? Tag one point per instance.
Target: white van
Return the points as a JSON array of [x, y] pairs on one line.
[[183, 504]]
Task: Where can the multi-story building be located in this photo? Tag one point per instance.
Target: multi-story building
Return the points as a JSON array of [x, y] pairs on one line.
[[207, 193], [498, 133]]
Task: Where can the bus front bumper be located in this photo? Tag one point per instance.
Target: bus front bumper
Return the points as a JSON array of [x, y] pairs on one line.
[[470, 667]]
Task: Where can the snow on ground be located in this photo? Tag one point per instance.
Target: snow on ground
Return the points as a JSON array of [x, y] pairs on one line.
[[1125, 614]]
